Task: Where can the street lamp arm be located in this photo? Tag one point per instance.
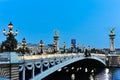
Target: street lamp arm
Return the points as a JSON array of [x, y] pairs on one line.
[[4, 32], [16, 33]]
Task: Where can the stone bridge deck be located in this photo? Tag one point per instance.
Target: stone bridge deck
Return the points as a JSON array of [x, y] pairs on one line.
[[45, 61], [49, 56]]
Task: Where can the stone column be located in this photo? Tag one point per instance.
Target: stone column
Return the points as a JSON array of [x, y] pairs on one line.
[[112, 36], [56, 39], [23, 73], [9, 66], [33, 72]]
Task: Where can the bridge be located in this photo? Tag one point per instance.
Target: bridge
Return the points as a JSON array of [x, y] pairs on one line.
[[59, 61], [37, 67]]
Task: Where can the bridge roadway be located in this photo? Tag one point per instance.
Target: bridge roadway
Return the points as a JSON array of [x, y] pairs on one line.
[[49, 63]]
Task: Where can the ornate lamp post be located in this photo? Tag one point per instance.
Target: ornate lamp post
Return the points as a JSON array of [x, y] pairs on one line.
[[11, 43], [64, 46], [54, 45], [83, 48], [24, 45], [24, 52], [71, 48], [10, 33], [89, 50], [78, 48], [41, 46]]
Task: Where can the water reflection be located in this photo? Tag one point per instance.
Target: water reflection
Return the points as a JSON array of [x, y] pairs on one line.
[[86, 74], [73, 77], [104, 75], [91, 77]]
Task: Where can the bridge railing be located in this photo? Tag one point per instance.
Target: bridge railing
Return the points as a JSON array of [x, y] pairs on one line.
[[44, 56], [4, 59]]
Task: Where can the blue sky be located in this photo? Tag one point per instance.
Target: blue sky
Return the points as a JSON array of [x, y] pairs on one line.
[[87, 21]]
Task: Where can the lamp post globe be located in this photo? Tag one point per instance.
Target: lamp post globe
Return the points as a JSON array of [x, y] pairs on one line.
[[24, 42], [16, 32], [4, 31], [10, 25]]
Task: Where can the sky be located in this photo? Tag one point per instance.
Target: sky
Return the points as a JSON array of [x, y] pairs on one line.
[[87, 21]]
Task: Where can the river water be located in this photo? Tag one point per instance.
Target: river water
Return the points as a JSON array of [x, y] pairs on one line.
[[103, 74]]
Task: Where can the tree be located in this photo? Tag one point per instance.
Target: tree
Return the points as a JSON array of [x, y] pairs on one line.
[[10, 44]]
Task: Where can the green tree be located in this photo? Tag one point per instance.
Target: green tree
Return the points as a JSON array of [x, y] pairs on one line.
[[10, 44]]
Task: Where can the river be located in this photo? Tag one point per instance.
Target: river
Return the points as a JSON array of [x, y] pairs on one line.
[[93, 74], [105, 74]]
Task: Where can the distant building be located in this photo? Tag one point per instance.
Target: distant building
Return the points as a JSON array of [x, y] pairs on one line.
[[107, 50], [35, 49], [73, 42], [117, 50]]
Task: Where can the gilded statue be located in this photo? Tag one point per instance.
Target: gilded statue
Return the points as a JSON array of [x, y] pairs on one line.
[[56, 32], [112, 31]]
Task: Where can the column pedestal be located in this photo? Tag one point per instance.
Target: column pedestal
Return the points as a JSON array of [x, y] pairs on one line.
[[9, 67]]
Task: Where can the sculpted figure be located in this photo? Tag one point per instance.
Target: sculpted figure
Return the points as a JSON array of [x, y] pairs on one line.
[[56, 32], [112, 31]]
